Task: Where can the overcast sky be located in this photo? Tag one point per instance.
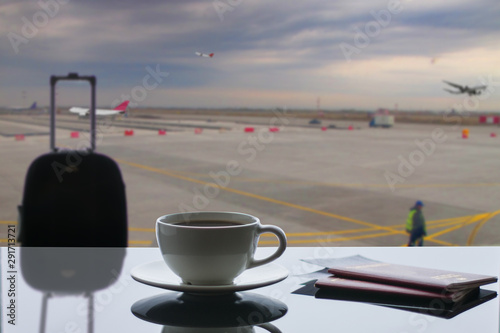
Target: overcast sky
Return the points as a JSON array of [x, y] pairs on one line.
[[267, 53]]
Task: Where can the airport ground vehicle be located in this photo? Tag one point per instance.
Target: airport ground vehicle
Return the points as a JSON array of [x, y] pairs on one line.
[[382, 121]]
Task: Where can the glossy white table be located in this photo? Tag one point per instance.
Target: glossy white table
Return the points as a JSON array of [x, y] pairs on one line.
[[113, 293]]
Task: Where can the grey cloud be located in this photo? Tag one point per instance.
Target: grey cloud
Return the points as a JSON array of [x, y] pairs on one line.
[[117, 39]]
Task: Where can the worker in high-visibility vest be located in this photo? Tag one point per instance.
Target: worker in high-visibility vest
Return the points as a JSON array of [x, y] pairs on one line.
[[415, 225]]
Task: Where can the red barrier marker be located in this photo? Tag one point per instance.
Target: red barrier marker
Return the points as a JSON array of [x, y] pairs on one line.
[[249, 129], [274, 129], [323, 128], [75, 135], [198, 130], [162, 132], [351, 128], [493, 135], [129, 132], [19, 137]]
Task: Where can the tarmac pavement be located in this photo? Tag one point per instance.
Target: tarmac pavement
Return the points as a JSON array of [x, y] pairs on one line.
[[333, 187]]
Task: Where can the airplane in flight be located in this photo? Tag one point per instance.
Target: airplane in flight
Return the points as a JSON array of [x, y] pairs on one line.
[[465, 89], [83, 112], [204, 55]]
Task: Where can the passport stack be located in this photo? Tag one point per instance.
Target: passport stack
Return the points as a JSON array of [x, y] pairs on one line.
[[433, 291]]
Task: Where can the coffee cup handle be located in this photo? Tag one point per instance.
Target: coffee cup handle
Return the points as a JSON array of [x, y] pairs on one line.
[[269, 327], [281, 248]]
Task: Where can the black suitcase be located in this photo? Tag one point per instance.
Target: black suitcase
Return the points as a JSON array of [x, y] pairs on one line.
[[73, 198]]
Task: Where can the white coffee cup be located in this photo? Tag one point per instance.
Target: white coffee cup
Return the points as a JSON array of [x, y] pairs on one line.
[[213, 248]]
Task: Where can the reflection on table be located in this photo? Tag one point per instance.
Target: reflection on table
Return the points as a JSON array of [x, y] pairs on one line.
[[229, 312], [91, 290]]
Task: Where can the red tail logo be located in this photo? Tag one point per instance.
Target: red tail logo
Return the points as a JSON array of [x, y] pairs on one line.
[[122, 107]]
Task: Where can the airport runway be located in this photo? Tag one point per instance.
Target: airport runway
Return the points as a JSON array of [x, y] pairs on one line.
[[333, 187]]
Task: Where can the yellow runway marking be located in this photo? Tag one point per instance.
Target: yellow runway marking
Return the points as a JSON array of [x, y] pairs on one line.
[[437, 241], [453, 219], [435, 226], [256, 196], [446, 222], [301, 234], [309, 183], [456, 223], [314, 183], [312, 234], [461, 225], [309, 234], [473, 234], [323, 233], [306, 234], [138, 242], [330, 240], [8, 222]]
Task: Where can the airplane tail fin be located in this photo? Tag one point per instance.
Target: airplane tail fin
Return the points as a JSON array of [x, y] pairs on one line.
[[33, 106], [122, 107], [211, 55]]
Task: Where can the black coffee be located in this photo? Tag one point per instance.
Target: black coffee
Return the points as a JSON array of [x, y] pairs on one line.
[[208, 224]]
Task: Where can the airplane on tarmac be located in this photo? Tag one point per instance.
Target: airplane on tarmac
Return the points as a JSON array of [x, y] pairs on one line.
[[204, 55], [31, 109], [83, 112], [465, 89], [19, 108]]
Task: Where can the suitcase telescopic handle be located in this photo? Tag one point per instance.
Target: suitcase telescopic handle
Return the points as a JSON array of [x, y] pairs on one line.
[[71, 77]]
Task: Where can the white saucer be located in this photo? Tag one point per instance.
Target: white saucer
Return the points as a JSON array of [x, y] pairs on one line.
[[157, 274]]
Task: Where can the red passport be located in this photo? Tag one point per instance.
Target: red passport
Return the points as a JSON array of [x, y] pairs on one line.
[[337, 284], [440, 281]]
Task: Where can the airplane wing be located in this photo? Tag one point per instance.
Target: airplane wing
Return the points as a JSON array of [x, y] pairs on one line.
[[452, 91], [101, 112], [478, 87], [453, 84]]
